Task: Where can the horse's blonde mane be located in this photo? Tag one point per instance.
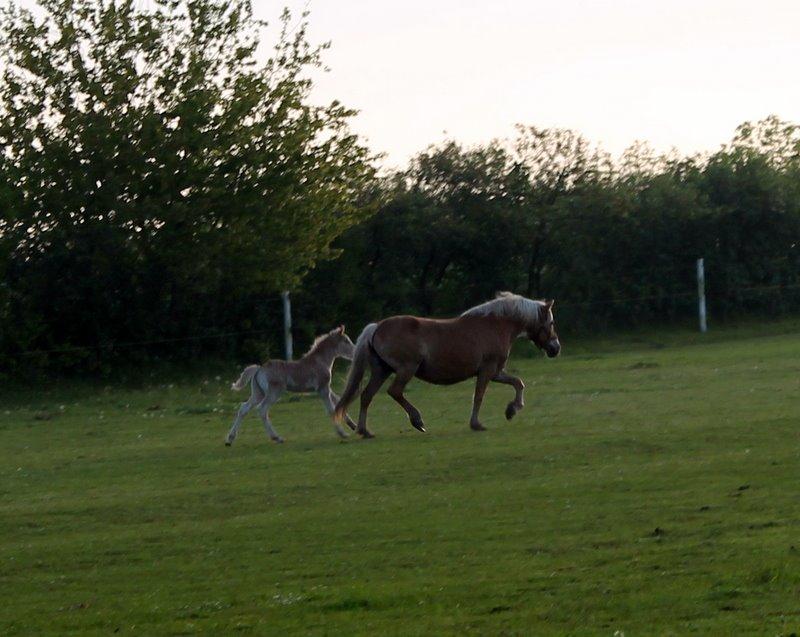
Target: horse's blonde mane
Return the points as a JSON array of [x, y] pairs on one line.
[[510, 305]]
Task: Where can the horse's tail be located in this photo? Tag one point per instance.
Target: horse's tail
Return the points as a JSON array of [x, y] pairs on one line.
[[246, 377], [357, 369]]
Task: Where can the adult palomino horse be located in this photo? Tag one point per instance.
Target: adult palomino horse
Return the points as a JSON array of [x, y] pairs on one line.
[[310, 373], [447, 351]]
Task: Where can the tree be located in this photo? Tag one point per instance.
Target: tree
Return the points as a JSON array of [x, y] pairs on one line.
[[775, 139], [547, 214], [549, 164], [155, 173]]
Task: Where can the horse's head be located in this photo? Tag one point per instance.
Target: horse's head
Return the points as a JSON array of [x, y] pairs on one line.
[[543, 334], [344, 346]]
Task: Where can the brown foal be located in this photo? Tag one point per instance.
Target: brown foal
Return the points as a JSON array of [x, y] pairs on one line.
[[447, 351]]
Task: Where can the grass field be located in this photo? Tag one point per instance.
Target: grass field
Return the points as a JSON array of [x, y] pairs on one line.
[[645, 489]]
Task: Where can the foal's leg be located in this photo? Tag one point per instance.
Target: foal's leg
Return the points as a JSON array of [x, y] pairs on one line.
[[256, 396], [401, 379], [263, 408], [379, 375], [518, 403], [329, 399], [484, 375], [347, 418]]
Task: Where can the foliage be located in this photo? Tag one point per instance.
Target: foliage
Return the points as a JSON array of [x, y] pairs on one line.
[[160, 185], [155, 176], [548, 215]]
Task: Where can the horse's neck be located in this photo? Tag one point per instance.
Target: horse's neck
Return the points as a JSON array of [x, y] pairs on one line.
[[510, 329], [507, 326], [324, 354]]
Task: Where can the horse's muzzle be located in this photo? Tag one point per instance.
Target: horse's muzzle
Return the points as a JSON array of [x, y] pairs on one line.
[[552, 349]]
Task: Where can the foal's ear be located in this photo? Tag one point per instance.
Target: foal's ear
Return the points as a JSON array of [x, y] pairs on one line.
[[548, 303], [340, 329]]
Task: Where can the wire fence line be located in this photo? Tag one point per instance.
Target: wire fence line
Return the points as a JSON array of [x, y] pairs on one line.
[[633, 299], [110, 346], [667, 296], [156, 341], [770, 288], [677, 295]]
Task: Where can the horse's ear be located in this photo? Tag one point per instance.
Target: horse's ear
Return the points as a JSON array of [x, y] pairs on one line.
[[340, 329], [548, 303]]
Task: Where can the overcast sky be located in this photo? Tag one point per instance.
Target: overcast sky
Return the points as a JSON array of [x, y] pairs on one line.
[[680, 73]]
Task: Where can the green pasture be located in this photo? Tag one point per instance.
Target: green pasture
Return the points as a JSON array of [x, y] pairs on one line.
[[651, 486]]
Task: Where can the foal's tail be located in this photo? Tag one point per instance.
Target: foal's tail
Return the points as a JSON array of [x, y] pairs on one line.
[[246, 377], [357, 369]]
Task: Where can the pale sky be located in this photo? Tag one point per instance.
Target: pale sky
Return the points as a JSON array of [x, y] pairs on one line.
[[673, 73], [680, 73]]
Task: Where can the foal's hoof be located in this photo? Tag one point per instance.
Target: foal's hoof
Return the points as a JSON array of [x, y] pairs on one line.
[[278, 440], [228, 443], [418, 425], [476, 426]]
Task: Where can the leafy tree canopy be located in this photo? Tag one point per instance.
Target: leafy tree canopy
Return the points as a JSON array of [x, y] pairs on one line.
[[151, 165]]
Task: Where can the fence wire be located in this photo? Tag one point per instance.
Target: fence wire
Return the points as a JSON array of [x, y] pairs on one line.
[[670, 296]]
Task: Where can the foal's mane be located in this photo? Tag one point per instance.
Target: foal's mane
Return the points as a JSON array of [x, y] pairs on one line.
[[318, 343], [510, 305]]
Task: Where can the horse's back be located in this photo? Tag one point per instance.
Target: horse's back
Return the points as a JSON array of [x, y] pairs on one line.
[[443, 350], [407, 330], [469, 328], [293, 376]]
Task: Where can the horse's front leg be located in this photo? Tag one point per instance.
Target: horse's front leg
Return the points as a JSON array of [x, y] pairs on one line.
[[484, 376], [518, 403], [401, 379]]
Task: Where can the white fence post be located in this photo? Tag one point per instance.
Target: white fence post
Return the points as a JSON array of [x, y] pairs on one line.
[[287, 324], [701, 294]]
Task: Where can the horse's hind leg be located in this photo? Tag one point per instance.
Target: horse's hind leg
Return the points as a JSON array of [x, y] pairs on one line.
[[380, 372], [270, 399], [329, 399], [347, 418], [518, 403], [401, 379], [256, 395]]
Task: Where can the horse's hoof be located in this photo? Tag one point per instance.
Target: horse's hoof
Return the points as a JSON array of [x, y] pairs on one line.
[[477, 427], [228, 443], [419, 426], [278, 440], [366, 434], [511, 411]]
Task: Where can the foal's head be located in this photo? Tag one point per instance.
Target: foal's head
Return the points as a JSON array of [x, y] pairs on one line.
[[544, 335], [344, 346]]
